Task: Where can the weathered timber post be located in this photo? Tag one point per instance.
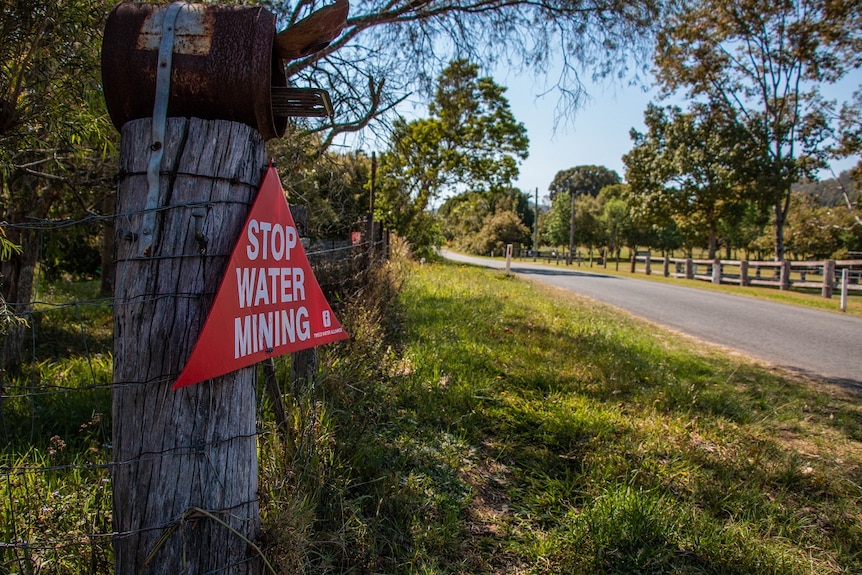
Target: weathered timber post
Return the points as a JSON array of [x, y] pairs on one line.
[[828, 279], [744, 280], [716, 271], [194, 89], [177, 452]]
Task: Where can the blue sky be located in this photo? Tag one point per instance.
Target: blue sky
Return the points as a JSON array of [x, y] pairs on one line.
[[599, 132], [596, 134]]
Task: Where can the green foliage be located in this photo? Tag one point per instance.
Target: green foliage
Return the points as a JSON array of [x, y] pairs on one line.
[[471, 140], [850, 133], [7, 318], [582, 180], [584, 184], [479, 222], [333, 185], [55, 140], [686, 170], [764, 62], [616, 219]]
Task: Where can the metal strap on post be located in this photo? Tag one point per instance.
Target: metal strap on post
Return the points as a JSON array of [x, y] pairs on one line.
[[160, 116]]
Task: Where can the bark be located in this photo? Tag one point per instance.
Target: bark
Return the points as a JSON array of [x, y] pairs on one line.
[[780, 214], [18, 280], [175, 451]]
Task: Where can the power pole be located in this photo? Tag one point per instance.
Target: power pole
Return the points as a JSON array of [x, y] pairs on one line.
[[536, 227], [571, 232]]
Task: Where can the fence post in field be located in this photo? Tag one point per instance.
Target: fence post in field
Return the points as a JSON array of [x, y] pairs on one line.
[[716, 271], [689, 269], [743, 273], [784, 278], [185, 471], [828, 279], [648, 264], [845, 286], [665, 266], [634, 262]]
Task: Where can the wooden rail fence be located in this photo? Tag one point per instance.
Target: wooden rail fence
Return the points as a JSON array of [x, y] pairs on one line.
[[826, 275]]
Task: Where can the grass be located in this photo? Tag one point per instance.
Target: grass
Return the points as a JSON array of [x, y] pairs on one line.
[[55, 491], [514, 429], [482, 425]]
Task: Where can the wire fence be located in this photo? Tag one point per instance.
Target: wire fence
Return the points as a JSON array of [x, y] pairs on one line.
[[55, 417]]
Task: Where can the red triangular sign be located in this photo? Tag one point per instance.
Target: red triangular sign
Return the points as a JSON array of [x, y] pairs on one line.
[[269, 302]]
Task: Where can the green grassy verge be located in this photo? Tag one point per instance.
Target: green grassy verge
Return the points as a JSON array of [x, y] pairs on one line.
[[516, 429]]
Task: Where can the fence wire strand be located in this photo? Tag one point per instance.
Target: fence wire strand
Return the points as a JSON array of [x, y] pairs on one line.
[[45, 479]]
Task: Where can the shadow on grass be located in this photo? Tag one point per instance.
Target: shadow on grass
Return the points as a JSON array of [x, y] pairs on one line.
[[581, 439]]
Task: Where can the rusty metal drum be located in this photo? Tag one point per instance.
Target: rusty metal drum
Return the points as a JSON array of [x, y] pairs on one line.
[[223, 64]]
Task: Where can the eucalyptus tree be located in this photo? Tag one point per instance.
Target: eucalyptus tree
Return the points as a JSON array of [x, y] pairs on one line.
[[567, 188], [392, 48], [470, 141], [582, 180], [688, 165], [765, 60]]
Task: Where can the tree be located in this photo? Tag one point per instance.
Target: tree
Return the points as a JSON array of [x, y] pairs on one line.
[[616, 219], [389, 49], [850, 133], [764, 61], [686, 165], [568, 187], [471, 140], [54, 132], [498, 230], [582, 180], [465, 219]]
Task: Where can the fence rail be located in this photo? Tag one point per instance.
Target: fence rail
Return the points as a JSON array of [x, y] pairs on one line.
[[826, 275], [829, 276]]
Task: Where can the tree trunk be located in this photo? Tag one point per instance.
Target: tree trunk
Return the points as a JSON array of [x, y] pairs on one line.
[[780, 213], [18, 281], [177, 452]]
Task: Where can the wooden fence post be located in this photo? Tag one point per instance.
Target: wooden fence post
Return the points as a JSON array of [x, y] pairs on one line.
[[743, 273], [828, 279], [689, 269], [716, 271], [185, 472], [784, 277]]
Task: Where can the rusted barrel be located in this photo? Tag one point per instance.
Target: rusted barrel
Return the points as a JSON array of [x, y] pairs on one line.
[[223, 64]]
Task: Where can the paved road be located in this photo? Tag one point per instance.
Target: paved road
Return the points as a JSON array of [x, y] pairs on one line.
[[815, 343]]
